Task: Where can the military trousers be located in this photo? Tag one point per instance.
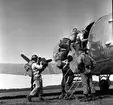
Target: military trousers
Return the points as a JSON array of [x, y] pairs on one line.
[[66, 80], [88, 86], [38, 88]]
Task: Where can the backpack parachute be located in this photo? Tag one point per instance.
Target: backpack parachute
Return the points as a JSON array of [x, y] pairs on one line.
[[65, 43], [63, 54], [59, 53]]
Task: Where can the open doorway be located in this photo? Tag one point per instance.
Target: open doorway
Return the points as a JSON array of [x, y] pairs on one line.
[[86, 35]]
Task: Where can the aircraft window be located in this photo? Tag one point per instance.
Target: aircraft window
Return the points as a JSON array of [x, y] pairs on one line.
[[110, 20], [108, 44]]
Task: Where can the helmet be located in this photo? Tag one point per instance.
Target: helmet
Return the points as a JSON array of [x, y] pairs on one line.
[[74, 30], [34, 57]]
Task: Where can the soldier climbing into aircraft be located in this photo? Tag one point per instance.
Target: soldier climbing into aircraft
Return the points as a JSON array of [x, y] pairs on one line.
[[67, 74], [63, 62]]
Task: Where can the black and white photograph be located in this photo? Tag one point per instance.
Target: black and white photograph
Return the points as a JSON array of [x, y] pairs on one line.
[[56, 52]]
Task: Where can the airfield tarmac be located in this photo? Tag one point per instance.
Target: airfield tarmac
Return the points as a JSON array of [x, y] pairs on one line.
[[19, 98], [53, 100]]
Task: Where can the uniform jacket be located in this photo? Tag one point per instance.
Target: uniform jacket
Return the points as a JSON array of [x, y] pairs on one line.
[[85, 63]]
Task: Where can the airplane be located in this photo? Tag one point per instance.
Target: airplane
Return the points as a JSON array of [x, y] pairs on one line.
[[100, 45]]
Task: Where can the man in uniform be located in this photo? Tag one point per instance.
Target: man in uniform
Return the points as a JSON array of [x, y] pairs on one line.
[[68, 76], [74, 34], [63, 62], [81, 36], [85, 65], [36, 68], [75, 38]]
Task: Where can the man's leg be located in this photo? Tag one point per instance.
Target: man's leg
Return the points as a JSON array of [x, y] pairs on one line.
[[40, 90], [71, 77], [85, 86], [84, 83], [63, 83], [34, 91], [32, 81], [91, 85]]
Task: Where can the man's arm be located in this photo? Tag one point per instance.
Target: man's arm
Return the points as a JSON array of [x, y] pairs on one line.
[[80, 58], [93, 61], [35, 65], [66, 63], [80, 64], [83, 40]]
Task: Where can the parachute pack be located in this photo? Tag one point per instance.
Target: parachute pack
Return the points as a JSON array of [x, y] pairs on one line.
[[60, 55], [65, 43], [62, 49]]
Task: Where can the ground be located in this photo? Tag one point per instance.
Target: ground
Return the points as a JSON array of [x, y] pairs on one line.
[[53, 100], [18, 97]]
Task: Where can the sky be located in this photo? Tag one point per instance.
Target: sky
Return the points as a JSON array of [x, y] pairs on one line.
[[36, 26]]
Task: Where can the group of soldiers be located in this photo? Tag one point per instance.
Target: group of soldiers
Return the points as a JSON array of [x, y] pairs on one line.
[[85, 64]]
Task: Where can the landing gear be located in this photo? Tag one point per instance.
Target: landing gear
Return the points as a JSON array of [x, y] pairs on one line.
[[104, 83]]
